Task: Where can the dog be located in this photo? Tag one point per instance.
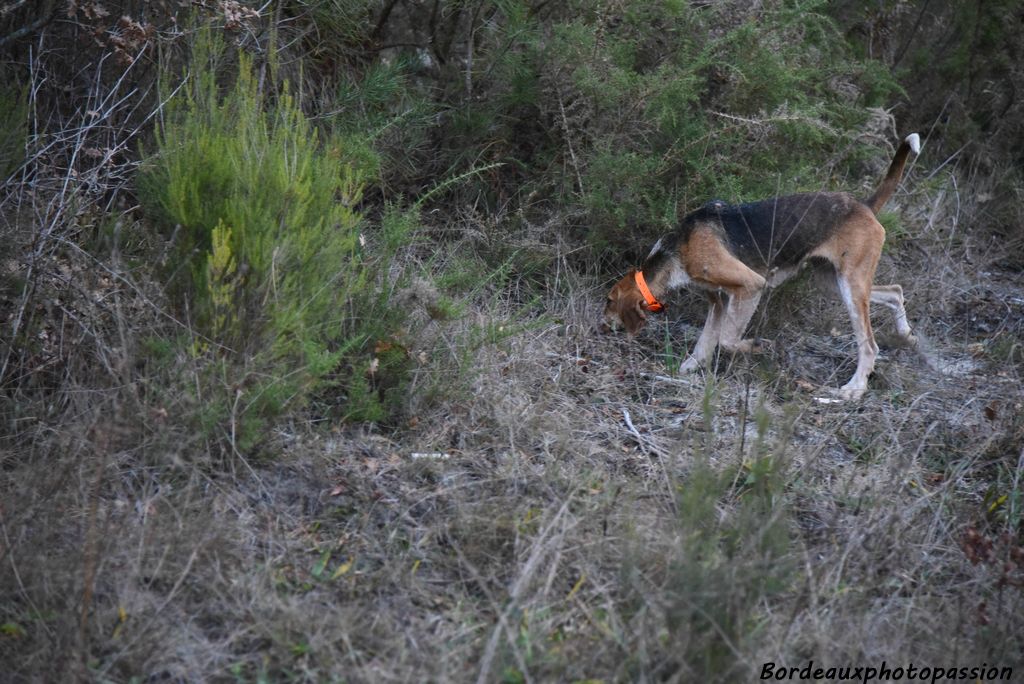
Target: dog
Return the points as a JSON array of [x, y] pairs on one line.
[[733, 252]]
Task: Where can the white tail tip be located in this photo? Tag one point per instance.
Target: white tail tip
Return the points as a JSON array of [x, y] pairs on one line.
[[914, 140]]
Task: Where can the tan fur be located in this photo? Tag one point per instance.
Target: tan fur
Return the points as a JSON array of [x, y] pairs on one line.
[[710, 264], [626, 304], [854, 251]]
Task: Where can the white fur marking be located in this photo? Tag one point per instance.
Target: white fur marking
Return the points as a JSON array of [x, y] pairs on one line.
[[847, 295], [777, 276], [678, 277], [655, 249], [914, 140]]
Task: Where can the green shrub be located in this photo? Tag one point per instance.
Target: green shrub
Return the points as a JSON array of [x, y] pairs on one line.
[[278, 283], [754, 110], [621, 114], [631, 112]]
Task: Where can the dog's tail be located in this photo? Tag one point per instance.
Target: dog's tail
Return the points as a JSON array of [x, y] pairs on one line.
[[912, 143]]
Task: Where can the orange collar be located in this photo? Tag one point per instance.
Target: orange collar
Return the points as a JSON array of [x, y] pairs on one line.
[[652, 303]]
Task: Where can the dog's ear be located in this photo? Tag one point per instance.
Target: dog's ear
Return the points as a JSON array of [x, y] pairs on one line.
[[634, 315]]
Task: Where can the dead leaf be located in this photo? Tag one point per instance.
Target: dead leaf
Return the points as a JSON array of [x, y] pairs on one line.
[[343, 568]]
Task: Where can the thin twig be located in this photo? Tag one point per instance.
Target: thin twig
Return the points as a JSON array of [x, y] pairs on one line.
[[664, 378], [636, 433], [568, 139], [660, 453]]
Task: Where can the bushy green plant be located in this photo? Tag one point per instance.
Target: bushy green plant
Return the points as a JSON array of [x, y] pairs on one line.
[[278, 284], [659, 118], [624, 114], [628, 113]]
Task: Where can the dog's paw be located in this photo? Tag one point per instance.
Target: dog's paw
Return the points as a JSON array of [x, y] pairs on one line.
[[689, 366], [751, 345], [843, 394]]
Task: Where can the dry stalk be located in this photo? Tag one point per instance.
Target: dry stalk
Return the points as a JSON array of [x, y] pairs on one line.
[[539, 550]]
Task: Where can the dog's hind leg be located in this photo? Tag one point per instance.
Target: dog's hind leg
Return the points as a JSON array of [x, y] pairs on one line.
[[854, 250], [856, 296], [892, 297]]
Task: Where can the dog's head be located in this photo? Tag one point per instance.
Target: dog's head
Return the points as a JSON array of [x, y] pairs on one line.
[[626, 307]]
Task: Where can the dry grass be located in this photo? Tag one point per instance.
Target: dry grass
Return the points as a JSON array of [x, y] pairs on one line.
[[591, 516], [558, 507]]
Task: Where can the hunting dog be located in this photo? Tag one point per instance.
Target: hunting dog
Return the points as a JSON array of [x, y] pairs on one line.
[[733, 252]]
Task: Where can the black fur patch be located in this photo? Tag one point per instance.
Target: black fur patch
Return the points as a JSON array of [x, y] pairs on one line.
[[669, 245], [777, 232]]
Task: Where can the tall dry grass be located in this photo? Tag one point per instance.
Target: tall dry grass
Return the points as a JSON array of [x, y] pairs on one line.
[[555, 505]]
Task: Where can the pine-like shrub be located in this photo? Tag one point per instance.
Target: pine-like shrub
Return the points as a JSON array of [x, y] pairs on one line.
[[270, 267], [666, 105]]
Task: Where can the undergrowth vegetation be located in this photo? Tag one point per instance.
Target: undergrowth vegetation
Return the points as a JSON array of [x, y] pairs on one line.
[[299, 373], [668, 91], [13, 124], [605, 111], [268, 262]]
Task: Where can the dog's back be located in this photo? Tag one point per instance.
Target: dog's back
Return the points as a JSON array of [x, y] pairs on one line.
[[778, 232]]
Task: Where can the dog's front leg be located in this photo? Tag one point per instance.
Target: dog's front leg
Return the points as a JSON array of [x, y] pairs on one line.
[[709, 336]]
